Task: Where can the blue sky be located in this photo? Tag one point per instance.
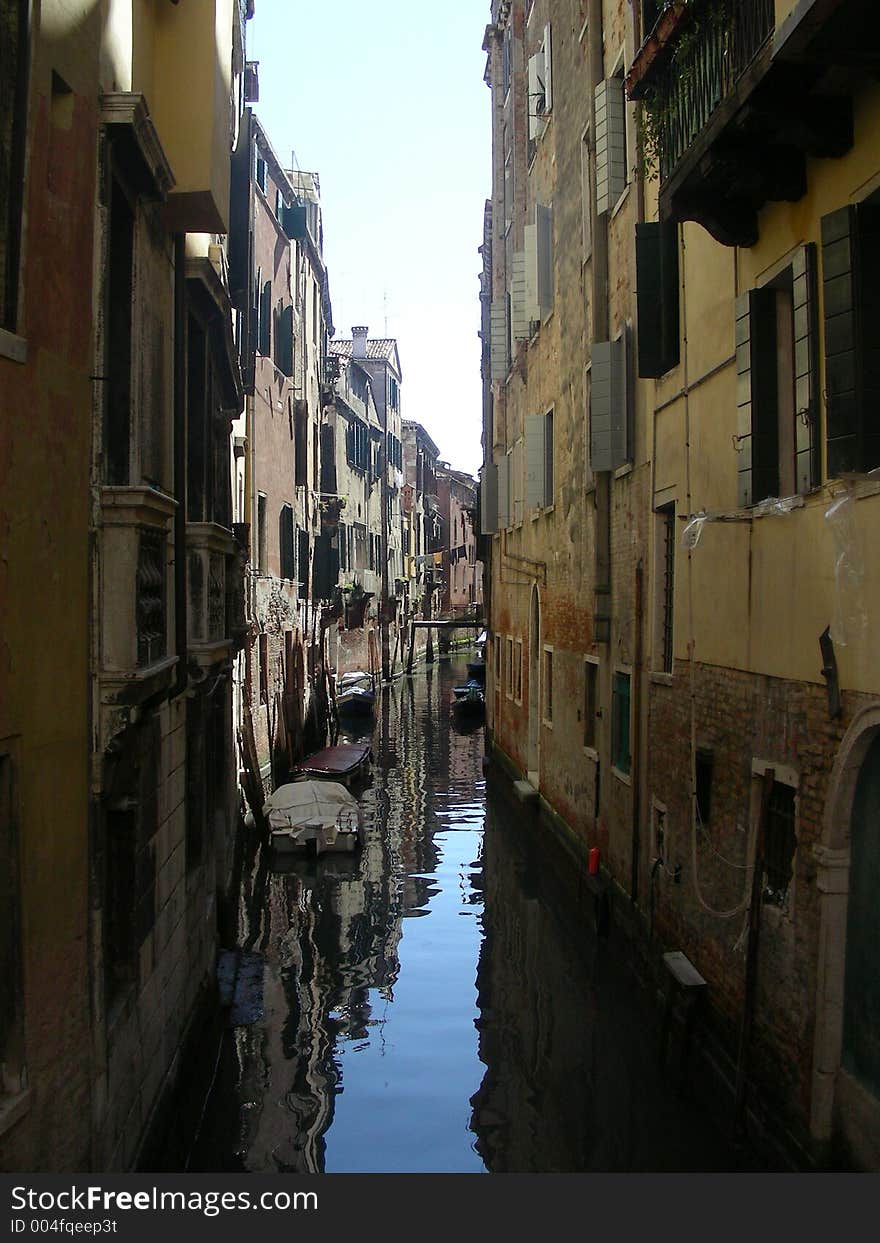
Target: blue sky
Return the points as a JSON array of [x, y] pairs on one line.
[[386, 102]]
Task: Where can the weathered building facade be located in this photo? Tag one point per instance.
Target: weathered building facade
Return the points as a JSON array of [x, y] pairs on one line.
[[119, 197], [462, 573], [678, 486]]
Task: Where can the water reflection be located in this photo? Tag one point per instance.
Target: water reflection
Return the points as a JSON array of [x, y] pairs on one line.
[[440, 1002]]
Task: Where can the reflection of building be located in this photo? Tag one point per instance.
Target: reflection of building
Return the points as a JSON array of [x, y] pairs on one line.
[[119, 381]]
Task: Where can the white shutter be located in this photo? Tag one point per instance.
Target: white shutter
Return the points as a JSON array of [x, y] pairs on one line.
[[548, 71], [489, 499], [535, 458], [544, 223], [610, 143], [609, 424], [516, 481], [503, 493], [535, 95], [530, 264], [519, 317], [498, 339]]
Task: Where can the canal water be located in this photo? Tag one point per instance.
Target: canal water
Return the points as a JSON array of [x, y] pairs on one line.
[[440, 1003]]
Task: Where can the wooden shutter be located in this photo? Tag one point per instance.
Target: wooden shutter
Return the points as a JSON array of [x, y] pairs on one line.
[[544, 239], [519, 317], [239, 248], [806, 406], [535, 458], [757, 400], [842, 326], [489, 499], [657, 297], [535, 96], [609, 422], [498, 354], [530, 263], [548, 70], [265, 345], [286, 541], [610, 143], [503, 493]]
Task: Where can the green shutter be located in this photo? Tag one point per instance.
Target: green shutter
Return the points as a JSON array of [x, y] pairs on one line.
[[285, 340], [757, 399], [265, 343], [804, 307], [657, 297], [842, 381]]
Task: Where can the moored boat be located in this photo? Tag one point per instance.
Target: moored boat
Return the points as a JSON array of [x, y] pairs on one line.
[[469, 699], [313, 818], [345, 763], [355, 694]]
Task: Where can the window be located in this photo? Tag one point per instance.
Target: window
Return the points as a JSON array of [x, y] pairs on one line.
[[509, 667], [703, 776], [547, 686], [262, 534], [620, 753], [13, 129], [286, 542], [851, 279], [664, 576], [517, 665], [539, 460], [591, 702], [586, 196], [540, 81], [117, 357], [610, 142], [610, 422], [302, 563], [779, 844], [264, 339], [657, 297], [264, 667], [776, 384], [262, 181], [538, 263]]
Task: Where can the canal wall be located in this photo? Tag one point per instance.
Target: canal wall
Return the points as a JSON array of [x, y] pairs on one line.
[[702, 1060]]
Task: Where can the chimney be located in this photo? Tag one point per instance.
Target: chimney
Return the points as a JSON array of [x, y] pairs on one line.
[[359, 342]]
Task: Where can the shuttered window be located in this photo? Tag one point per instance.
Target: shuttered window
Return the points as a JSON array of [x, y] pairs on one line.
[[286, 542], [498, 356], [777, 385], [657, 297], [620, 752], [265, 324], [503, 493], [544, 223], [609, 414], [519, 316], [489, 499], [539, 460], [610, 143], [284, 340], [806, 370], [851, 288]]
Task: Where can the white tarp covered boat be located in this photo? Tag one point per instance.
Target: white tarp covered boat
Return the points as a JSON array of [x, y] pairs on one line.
[[313, 817]]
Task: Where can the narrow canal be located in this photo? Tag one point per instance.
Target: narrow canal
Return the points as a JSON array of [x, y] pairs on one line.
[[440, 1003]]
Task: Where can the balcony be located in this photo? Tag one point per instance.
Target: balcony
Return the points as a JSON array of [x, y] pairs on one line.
[[733, 105], [213, 575], [137, 657]]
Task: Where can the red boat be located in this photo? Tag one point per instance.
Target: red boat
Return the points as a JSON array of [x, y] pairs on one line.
[[344, 763]]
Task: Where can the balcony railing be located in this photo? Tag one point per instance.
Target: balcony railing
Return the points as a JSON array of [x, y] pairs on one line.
[[714, 49]]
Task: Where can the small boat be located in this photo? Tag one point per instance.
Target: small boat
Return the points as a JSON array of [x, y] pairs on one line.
[[477, 671], [469, 699], [346, 762], [355, 694], [313, 818]]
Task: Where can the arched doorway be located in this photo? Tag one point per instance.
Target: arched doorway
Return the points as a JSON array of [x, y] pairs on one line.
[[534, 755], [846, 1064]]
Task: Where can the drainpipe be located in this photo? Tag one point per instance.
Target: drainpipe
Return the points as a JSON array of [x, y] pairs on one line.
[[180, 352]]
